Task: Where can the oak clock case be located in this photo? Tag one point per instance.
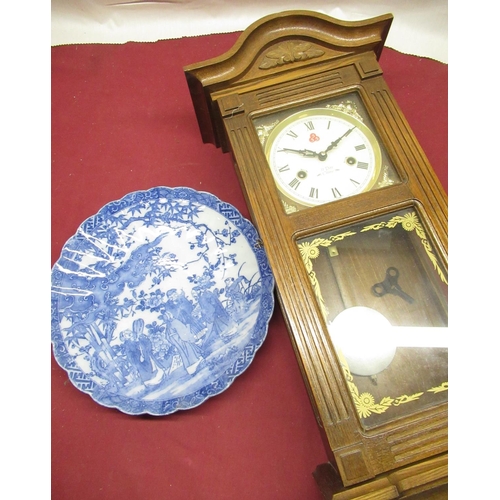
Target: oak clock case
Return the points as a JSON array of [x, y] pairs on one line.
[[354, 222]]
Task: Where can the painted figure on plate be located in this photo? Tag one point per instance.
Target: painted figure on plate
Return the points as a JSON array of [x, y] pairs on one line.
[[139, 351], [213, 315]]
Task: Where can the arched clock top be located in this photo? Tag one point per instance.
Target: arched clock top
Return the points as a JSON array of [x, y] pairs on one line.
[[288, 37], [272, 49]]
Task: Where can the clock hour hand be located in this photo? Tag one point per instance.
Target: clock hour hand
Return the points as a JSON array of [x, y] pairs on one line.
[[304, 152], [334, 144]]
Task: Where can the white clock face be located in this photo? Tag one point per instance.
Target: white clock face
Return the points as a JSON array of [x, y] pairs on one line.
[[321, 155]]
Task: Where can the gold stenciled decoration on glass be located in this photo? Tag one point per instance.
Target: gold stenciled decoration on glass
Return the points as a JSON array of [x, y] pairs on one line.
[[345, 266]]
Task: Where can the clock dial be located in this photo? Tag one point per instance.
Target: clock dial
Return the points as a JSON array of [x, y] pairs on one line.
[[321, 155]]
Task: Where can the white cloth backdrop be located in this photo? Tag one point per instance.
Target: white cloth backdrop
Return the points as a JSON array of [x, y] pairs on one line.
[[420, 27]]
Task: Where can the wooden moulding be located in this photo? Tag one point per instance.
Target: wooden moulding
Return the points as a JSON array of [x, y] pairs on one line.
[[427, 480]]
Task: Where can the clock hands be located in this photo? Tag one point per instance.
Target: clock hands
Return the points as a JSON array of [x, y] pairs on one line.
[[322, 155]]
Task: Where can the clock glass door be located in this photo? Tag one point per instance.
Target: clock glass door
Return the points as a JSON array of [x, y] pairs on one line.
[[382, 290]]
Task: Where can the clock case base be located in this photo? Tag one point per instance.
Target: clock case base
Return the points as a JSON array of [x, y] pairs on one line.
[[274, 65], [427, 480]]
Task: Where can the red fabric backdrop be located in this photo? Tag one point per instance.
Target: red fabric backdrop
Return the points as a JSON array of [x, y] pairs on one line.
[[122, 121]]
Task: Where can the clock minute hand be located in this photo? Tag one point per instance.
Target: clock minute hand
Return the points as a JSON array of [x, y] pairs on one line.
[[334, 144]]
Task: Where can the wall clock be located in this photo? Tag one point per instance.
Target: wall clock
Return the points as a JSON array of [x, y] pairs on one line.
[[354, 222]]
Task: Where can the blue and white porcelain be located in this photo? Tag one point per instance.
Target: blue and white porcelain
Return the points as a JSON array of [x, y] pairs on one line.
[[160, 300]]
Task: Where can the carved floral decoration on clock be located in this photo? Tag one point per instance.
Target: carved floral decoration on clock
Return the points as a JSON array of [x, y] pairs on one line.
[[289, 52]]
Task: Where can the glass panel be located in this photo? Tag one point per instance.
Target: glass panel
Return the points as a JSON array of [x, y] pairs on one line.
[[322, 152], [380, 286]]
